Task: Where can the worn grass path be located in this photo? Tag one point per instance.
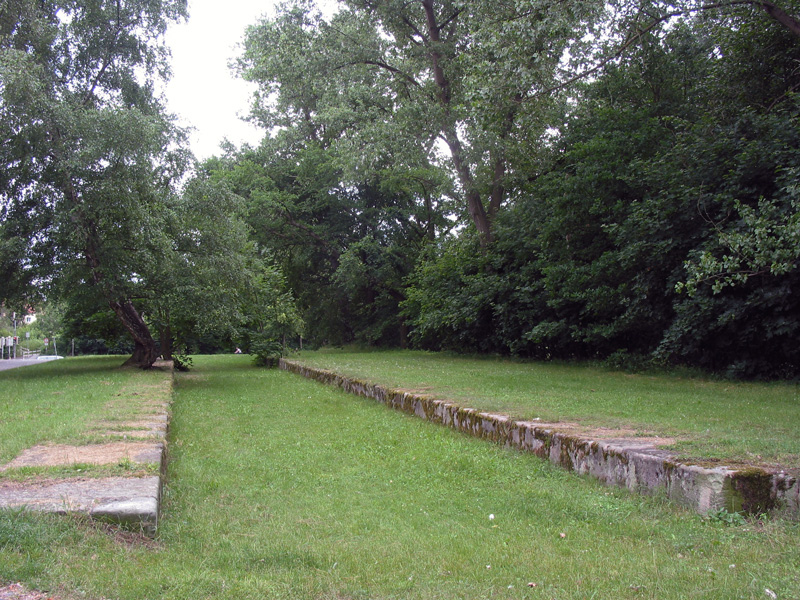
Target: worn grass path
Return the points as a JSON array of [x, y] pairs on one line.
[[280, 487], [85, 400]]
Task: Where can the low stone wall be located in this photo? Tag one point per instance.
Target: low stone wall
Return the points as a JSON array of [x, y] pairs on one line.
[[622, 462]]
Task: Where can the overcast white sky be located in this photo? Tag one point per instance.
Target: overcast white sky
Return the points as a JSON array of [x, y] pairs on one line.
[[203, 90]]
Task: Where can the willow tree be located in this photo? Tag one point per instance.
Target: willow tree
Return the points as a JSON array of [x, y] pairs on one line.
[[87, 163]]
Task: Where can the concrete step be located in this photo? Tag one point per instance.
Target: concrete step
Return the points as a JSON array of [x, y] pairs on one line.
[[132, 501]]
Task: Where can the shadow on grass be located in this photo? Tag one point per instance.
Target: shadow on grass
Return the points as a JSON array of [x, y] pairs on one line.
[[82, 365]]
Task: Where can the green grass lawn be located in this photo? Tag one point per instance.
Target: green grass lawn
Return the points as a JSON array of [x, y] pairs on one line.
[[59, 401], [280, 487], [709, 419]]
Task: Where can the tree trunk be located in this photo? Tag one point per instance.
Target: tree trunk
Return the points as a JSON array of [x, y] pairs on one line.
[[145, 352], [142, 357], [450, 131], [165, 337], [788, 21]]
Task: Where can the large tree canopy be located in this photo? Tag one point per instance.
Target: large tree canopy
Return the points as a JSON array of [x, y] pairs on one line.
[[89, 157], [611, 179], [469, 87], [461, 86]]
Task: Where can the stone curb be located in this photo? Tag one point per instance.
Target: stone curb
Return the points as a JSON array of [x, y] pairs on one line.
[[124, 500], [624, 463], [130, 501]]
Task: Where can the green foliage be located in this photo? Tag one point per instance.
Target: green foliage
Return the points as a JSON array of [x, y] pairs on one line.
[[381, 84], [449, 298], [766, 240], [344, 250], [88, 153], [723, 516], [198, 287], [270, 310], [651, 173], [266, 350]]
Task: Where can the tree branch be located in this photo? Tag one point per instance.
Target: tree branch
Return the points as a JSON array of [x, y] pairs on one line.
[[789, 22], [108, 58], [792, 24], [450, 19], [391, 69], [415, 29], [619, 52]]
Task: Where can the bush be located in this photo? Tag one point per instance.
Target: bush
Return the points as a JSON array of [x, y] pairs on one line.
[[266, 351]]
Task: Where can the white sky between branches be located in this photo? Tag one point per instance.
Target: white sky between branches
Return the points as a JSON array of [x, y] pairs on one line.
[[203, 91]]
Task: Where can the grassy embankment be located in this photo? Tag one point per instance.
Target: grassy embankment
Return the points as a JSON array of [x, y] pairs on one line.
[[706, 419], [279, 487]]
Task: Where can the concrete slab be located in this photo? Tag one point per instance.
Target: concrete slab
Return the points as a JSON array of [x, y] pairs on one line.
[[96, 454], [132, 501]]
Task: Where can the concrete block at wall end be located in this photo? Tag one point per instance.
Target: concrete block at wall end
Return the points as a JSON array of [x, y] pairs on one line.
[[142, 512], [786, 490]]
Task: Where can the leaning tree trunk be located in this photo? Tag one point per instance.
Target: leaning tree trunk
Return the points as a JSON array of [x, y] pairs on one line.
[[145, 351]]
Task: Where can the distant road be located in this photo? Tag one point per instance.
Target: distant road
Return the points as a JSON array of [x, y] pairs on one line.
[[13, 363]]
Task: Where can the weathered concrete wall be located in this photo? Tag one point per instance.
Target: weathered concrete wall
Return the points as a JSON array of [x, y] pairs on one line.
[[624, 462]]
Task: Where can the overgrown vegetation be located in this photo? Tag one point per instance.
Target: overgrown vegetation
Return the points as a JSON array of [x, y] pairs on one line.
[[283, 488]]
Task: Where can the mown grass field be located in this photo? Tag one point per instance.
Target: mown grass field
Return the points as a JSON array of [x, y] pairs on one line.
[[706, 419], [279, 487]]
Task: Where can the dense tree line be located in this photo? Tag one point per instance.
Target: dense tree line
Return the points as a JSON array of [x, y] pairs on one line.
[[576, 180], [581, 179]]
